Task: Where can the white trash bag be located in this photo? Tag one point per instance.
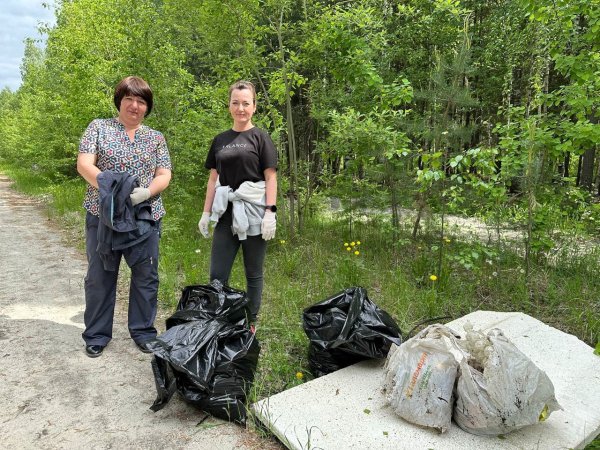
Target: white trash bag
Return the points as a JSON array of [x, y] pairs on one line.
[[499, 389], [419, 377]]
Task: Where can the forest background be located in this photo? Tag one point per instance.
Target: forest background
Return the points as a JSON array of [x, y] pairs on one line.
[[391, 119]]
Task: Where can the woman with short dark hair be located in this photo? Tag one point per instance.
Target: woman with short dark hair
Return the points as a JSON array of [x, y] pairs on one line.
[[127, 165], [137, 87]]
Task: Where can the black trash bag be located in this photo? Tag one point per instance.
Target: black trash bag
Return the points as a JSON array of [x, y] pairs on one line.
[[212, 300], [210, 362], [345, 329]]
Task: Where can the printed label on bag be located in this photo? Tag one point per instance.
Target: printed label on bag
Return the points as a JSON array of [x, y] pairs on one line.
[[415, 375]]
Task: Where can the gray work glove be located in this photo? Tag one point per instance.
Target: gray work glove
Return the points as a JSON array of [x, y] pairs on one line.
[[203, 224], [269, 225], [139, 195]]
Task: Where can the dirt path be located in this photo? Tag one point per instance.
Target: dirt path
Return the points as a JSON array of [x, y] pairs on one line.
[[52, 395]]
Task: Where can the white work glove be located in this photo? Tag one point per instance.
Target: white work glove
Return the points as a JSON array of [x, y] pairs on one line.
[[269, 225], [139, 195], [203, 224]]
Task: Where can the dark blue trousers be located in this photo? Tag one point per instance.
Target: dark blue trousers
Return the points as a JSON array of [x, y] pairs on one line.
[[101, 288]]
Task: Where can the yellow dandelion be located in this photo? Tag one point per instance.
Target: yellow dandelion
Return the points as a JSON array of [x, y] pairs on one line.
[[357, 253], [345, 244], [348, 248], [353, 244], [432, 277], [357, 242], [447, 240], [299, 375], [544, 414], [282, 241]]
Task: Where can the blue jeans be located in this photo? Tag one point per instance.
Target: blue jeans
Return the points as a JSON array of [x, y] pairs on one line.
[[101, 287], [225, 246]]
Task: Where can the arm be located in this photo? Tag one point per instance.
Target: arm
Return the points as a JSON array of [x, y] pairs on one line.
[[210, 190], [208, 201], [269, 222], [162, 178], [86, 166], [159, 183], [271, 186]]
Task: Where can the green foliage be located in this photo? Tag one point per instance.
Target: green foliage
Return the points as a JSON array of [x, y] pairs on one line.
[[397, 276], [346, 71], [472, 107], [591, 218]]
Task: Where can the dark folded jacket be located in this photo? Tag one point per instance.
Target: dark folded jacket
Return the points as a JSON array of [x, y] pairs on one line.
[[121, 225]]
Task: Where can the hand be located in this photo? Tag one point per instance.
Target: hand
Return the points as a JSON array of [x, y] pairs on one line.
[[139, 195], [269, 225], [203, 224]]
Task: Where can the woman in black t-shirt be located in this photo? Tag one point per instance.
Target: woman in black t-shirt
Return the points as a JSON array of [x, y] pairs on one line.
[[242, 160]]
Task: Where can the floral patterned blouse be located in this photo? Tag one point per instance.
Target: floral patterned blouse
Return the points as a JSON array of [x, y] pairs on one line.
[[108, 139]]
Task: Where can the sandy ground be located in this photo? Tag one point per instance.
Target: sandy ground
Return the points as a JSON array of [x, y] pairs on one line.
[[52, 395]]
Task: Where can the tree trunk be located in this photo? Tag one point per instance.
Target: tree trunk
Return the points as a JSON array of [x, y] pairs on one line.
[[587, 169], [420, 209], [394, 198], [291, 137]]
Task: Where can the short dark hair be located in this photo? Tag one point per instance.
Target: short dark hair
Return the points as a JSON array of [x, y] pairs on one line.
[[243, 84], [133, 86]]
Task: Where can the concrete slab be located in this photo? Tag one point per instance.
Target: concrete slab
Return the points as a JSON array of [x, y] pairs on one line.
[[346, 409]]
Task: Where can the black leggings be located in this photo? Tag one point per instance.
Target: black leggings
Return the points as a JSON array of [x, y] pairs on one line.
[[225, 246]]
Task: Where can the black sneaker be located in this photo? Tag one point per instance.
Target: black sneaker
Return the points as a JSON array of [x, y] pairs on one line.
[[93, 351], [145, 347]]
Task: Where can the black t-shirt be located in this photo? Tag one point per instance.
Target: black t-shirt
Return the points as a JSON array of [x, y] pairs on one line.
[[241, 156]]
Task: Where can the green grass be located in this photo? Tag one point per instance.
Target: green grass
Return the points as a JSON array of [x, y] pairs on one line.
[[395, 271], [27, 181], [397, 279]]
